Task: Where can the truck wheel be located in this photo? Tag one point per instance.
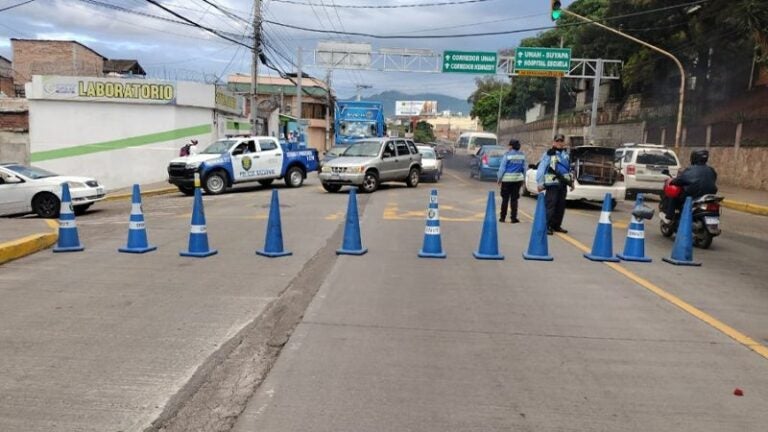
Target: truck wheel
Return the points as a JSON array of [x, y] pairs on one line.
[[215, 183], [294, 177], [370, 183], [332, 188], [266, 182], [188, 191], [413, 178], [46, 205]]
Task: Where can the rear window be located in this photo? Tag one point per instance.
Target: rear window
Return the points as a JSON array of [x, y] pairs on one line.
[[656, 157], [482, 141], [495, 153]]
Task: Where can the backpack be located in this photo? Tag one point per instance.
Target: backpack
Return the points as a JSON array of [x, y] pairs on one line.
[[184, 151]]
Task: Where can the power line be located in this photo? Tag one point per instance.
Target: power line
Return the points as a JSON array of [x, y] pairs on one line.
[[16, 5], [413, 5]]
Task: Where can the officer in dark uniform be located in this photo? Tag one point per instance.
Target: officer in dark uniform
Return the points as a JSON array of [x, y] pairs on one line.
[[554, 177], [510, 177]]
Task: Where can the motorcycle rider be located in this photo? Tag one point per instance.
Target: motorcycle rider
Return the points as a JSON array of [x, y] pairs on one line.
[[696, 180]]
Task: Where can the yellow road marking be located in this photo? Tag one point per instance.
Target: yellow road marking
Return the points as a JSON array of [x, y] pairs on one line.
[[392, 212], [335, 216], [677, 301]]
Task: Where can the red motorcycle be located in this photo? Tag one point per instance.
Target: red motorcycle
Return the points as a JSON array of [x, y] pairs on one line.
[[706, 215]]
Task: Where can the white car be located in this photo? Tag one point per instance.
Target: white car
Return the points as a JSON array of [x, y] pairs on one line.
[[595, 173], [25, 189], [642, 166], [431, 164]]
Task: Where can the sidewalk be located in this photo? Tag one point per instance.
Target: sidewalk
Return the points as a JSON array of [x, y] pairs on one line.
[[25, 235]]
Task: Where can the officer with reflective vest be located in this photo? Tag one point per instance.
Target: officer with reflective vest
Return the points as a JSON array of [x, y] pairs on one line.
[[554, 176], [510, 177]]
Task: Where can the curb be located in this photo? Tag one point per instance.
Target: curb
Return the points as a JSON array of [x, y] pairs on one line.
[[746, 207], [154, 192], [28, 245]]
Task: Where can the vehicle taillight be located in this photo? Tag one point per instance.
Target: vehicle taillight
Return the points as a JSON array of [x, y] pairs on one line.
[[485, 159], [713, 207], [630, 170]]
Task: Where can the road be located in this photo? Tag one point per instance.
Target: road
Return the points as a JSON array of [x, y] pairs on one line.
[[101, 341]]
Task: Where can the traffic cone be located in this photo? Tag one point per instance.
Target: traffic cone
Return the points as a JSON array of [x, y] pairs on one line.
[[537, 246], [634, 245], [198, 233], [137, 229], [432, 247], [602, 247], [489, 239], [273, 244], [682, 251], [68, 240], [352, 244]]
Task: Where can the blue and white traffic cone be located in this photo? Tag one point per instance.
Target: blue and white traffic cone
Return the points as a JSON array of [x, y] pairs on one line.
[[634, 245], [537, 246], [433, 246], [353, 244], [602, 247], [198, 233], [273, 244], [489, 238], [137, 229], [68, 240], [682, 251]]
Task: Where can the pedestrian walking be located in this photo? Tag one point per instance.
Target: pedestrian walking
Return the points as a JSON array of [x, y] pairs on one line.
[[554, 178], [510, 177]]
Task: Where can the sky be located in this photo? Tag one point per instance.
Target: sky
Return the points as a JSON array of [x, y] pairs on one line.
[[168, 50]]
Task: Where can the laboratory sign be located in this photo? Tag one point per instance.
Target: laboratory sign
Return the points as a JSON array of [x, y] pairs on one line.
[[115, 90]]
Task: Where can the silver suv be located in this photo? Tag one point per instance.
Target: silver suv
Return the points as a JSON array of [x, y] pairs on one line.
[[642, 166], [368, 163]]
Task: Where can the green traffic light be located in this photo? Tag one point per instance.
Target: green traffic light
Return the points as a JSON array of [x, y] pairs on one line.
[[556, 14]]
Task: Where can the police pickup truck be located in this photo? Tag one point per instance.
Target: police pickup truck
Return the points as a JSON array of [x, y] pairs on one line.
[[238, 160]]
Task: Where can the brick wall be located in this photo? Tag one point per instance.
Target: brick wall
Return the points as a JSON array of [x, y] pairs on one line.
[[33, 57]]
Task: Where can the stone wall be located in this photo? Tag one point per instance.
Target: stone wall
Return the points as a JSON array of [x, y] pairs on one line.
[[38, 57], [14, 130]]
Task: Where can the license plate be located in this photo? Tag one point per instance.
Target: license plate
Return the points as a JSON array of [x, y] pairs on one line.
[[334, 176], [711, 220]]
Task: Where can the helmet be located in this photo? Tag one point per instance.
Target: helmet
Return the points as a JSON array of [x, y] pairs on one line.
[[699, 157], [672, 191]]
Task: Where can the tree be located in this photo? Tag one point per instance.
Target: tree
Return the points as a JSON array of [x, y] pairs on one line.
[[423, 132]]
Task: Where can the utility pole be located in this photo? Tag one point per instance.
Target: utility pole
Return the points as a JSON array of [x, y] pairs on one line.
[[299, 79], [328, 104], [498, 113], [595, 101], [255, 126], [360, 87], [555, 120], [679, 131]]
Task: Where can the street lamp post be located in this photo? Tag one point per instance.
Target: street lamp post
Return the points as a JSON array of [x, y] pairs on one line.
[[498, 113]]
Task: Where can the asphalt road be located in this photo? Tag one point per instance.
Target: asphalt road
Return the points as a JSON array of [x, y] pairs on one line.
[[101, 341]]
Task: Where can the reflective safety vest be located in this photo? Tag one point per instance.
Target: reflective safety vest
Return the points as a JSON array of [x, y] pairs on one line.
[[515, 168], [561, 164]]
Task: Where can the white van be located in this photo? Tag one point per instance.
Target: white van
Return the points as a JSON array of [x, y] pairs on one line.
[[471, 141]]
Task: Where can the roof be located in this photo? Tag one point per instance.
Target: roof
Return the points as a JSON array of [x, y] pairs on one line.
[[58, 41], [3, 58], [123, 66]]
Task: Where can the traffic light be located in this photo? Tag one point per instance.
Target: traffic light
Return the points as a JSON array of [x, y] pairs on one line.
[[555, 10]]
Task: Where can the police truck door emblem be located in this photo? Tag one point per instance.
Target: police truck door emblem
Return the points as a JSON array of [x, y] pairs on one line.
[[246, 163]]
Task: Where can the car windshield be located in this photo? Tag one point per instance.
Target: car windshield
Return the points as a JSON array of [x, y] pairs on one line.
[[656, 157], [219, 147], [482, 141], [30, 172], [357, 129], [427, 153], [363, 148], [336, 151]]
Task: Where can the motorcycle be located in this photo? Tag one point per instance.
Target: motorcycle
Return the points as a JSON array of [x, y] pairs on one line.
[[706, 215]]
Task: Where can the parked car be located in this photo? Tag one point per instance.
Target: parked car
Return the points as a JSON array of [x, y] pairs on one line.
[[595, 172], [369, 162], [486, 161], [444, 150], [26, 189], [431, 164], [642, 166]]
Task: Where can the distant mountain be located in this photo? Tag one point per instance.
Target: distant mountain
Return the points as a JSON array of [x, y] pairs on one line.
[[444, 103]]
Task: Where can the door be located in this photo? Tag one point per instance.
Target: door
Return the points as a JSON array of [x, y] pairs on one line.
[[269, 159], [388, 166], [243, 165], [15, 194], [403, 159]]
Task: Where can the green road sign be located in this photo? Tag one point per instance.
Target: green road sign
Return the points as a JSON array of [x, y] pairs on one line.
[[469, 62], [542, 61]]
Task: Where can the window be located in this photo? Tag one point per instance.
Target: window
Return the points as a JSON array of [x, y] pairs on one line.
[[389, 149], [267, 145], [412, 146], [402, 148], [656, 157]]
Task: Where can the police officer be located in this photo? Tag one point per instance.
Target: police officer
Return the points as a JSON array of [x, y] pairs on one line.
[[554, 177], [510, 177]]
